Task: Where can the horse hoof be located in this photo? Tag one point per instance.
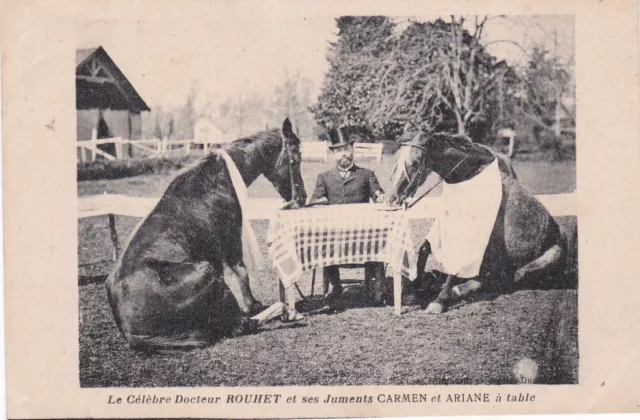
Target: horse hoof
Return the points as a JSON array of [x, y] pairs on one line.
[[434, 308], [409, 300], [246, 326], [292, 316], [333, 294], [518, 276], [256, 308]]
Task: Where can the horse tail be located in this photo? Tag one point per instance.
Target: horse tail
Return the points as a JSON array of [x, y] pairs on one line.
[[552, 260]]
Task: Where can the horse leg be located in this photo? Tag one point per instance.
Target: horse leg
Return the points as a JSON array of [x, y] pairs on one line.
[[550, 258], [410, 288], [184, 282], [176, 289], [250, 325], [273, 311], [437, 306], [276, 310], [465, 289], [239, 285], [423, 255]]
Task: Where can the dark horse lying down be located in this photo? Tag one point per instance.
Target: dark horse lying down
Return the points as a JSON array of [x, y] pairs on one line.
[[181, 281], [525, 242]]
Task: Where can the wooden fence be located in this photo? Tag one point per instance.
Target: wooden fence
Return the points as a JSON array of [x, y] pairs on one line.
[[318, 150], [311, 150], [89, 150]]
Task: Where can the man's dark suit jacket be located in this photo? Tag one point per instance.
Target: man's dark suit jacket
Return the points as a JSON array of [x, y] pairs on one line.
[[360, 185]]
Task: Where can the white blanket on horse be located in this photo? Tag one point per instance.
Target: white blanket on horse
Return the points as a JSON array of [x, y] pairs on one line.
[[461, 231], [250, 250]]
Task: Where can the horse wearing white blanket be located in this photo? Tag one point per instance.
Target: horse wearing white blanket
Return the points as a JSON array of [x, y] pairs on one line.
[[490, 230]]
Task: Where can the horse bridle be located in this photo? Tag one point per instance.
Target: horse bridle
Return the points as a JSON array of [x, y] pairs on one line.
[[418, 173], [285, 150], [422, 167]]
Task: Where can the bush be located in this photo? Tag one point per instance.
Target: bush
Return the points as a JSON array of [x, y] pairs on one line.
[[115, 169]]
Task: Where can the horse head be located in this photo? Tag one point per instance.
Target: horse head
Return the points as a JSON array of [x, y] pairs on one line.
[[454, 157], [286, 176], [411, 169]]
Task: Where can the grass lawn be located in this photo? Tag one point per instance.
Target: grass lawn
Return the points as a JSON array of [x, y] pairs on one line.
[[539, 177]]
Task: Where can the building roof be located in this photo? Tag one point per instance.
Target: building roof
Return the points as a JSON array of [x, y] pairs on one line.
[[83, 54], [100, 83]]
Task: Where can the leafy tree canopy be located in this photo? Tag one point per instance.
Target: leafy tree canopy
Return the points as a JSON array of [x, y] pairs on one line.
[[431, 76]]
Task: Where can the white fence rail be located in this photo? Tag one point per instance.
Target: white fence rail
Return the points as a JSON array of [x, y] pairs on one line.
[[318, 150], [311, 150], [314, 150], [368, 150], [89, 150]]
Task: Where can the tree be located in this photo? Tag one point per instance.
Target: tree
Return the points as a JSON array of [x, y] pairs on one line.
[[292, 99], [240, 116], [346, 94], [470, 75], [545, 82], [432, 75], [185, 117], [157, 130]]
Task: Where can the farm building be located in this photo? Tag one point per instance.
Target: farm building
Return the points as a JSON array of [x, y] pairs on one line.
[[106, 102]]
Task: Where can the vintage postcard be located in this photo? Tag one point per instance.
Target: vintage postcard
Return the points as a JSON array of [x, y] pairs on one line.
[[318, 209]]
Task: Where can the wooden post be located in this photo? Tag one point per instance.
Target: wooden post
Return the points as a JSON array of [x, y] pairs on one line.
[[397, 293], [114, 236], [94, 145], [313, 282], [163, 147], [281, 290], [119, 142], [512, 140]]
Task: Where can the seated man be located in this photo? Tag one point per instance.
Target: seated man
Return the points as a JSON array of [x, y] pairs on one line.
[[347, 184]]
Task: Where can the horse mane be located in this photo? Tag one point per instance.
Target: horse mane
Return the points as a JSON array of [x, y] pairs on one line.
[[405, 137], [212, 162], [260, 135], [457, 139]]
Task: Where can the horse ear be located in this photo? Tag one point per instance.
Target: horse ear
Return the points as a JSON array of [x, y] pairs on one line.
[[287, 129], [421, 137]]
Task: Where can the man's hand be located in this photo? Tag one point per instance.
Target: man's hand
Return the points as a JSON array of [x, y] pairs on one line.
[[291, 205], [318, 201], [379, 197]]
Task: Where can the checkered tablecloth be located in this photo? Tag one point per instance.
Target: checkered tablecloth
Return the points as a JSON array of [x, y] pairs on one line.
[[300, 240]]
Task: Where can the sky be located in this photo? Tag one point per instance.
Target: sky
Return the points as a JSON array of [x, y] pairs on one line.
[[238, 58]]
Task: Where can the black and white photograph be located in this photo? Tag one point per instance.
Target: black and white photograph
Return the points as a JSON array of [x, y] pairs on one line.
[[346, 200], [320, 208]]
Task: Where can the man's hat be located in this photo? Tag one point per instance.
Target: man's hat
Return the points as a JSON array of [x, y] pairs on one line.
[[338, 138]]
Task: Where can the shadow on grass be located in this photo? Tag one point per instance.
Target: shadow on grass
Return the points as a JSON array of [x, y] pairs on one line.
[[86, 280]]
